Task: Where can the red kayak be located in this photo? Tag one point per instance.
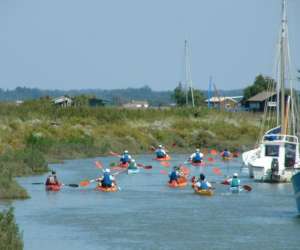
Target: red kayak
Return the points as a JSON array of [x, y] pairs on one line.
[[197, 164], [53, 187], [166, 158], [123, 165]]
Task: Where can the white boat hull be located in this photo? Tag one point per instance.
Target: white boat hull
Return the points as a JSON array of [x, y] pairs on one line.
[[133, 171]]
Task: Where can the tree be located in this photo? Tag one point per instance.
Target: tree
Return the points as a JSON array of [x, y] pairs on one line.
[[260, 84], [179, 96]]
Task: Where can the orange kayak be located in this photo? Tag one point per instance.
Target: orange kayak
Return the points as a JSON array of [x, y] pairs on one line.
[[166, 158], [182, 182], [54, 187], [107, 189], [123, 165]]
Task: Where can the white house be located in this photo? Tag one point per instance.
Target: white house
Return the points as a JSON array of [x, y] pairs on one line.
[[62, 101], [136, 105]]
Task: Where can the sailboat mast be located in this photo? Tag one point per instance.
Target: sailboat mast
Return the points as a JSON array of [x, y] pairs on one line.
[[188, 77], [282, 64]]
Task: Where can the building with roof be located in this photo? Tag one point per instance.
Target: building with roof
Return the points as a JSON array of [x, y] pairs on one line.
[[225, 102], [258, 102], [63, 101]]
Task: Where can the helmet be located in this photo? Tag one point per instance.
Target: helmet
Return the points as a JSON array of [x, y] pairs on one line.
[[160, 146], [53, 172], [126, 152], [202, 177], [107, 170], [133, 160], [197, 150], [235, 175]]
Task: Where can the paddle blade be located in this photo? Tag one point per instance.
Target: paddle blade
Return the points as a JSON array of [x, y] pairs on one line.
[[185, 170], [213, 152], [216, 171], [210, 159], [225, 182], [113, 164], [98, 164], [165, 164], [38, 183], [84, 183], [247, 188], [163, 172], [147, 167], [114, 154], [73, 185]]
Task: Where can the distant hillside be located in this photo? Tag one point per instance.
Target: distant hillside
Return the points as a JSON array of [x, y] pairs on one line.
[[114, 96]]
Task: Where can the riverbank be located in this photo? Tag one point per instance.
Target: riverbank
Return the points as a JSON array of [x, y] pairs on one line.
[[36, 133]]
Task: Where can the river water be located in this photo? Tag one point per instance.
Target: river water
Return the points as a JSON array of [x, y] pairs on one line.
[[146, 214]]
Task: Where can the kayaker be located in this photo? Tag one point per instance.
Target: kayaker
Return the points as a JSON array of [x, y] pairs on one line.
[[234, 181], [52, 179], [160, 152], [107, 180], [126, 157], [196, 157], [174, 175], [226, 153], [202, 183], [132, 164]]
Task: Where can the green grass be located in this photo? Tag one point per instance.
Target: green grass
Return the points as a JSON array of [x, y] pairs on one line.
[[10, 236]]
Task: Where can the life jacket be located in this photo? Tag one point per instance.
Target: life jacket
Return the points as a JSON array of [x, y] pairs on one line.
[[160, 153], [106, 179], [173, 176], [225, 154], [203, 185], [125, 158], [197, 157], [234, 182]]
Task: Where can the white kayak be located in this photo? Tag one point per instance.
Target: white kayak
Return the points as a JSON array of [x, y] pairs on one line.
[[236, 189], [133, 170]]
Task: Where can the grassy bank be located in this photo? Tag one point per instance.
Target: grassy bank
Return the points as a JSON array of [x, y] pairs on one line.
[[36, 132], [10, 237]]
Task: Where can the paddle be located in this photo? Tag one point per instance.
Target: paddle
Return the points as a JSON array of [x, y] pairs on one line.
[[144, 166], [213, 152], [210, 159], [98, 164], [216, 171], [115, 154], [245, 187], [67, 185], [165, 164]]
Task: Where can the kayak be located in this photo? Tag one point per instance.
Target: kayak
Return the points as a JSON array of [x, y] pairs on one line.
[[197, 164], [226, 158], [205, 192], [182, 182], [236, 189], [123, 165], [54, 187], [133, 170], [166, 158], [107, 189]]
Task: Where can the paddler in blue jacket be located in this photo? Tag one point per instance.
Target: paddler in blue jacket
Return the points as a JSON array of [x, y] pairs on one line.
[[107, 180], [174, 175], [196, 157], [202, 183], [160, 152], [226, 153], [125, 158]]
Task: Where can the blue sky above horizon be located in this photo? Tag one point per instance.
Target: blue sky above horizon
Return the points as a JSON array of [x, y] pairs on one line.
[[77, 44]]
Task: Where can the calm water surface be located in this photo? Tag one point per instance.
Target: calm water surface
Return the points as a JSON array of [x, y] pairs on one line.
[[146, 214]]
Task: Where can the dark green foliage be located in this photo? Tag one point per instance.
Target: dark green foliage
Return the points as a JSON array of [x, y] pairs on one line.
[[179, 96], [10, 236], [260, 84]]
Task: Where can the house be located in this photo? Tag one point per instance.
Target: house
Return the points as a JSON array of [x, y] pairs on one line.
[[224, 102], [62, 101], [136, 105], [258, 102]]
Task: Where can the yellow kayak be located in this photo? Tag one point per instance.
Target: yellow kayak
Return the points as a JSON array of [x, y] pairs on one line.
[[206, 192]]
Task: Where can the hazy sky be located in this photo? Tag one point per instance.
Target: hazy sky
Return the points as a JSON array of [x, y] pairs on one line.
[[120, 43]]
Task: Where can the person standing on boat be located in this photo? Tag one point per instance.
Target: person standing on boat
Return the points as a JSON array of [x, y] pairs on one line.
[[52, 179], [174, 175], [226, 153], [126, 157], [196, 157], [160, 152], [202, 183], [107, 180]]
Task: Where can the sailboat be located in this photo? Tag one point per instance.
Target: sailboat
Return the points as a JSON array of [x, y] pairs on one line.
[[276, 156]]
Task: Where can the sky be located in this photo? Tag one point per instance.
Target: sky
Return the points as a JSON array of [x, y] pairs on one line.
[[108, 44]]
